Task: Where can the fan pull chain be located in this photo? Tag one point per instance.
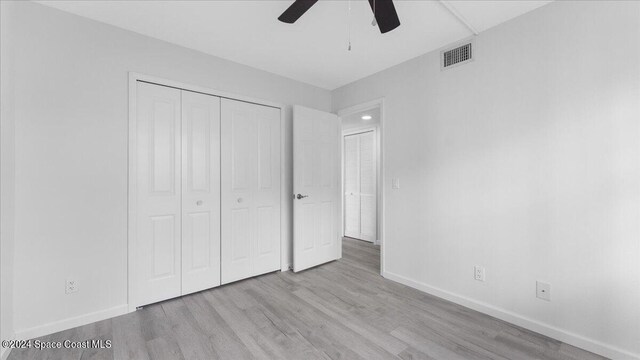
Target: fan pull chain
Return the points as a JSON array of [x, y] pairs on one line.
[[374, 22]]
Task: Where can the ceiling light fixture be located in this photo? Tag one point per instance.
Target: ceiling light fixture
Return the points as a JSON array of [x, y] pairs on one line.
[[366, 117]]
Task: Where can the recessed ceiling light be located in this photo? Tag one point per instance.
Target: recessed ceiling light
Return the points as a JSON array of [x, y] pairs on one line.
[[366, 117]]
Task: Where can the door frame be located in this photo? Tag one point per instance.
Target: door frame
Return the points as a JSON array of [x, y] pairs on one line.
[[376, 134], [134, 77], [380, 104]]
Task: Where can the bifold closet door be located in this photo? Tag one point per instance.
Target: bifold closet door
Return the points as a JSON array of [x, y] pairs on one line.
[[360, 186], [177, 186], [200, 191], [250, 188], [158, 191]]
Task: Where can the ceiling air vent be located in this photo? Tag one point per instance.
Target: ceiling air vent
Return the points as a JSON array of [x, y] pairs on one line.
[[456, 56]]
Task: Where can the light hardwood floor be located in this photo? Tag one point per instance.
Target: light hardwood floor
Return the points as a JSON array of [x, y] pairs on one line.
[[341, 310]]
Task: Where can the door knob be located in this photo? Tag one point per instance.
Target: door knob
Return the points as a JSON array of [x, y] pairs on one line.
[[199, 202], [300, 196]]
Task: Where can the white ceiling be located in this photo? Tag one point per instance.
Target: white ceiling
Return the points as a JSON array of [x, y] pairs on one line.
[[314, 49], [355, 121]]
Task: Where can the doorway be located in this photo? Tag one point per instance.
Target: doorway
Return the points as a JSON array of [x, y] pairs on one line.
[[360, 184], [362, 206]]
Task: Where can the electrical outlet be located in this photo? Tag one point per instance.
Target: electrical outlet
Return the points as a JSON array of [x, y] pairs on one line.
[[543, 290], [478, 273], [71, 286]]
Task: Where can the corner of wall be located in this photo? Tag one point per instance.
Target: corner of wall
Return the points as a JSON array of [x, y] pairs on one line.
[[7, 153]]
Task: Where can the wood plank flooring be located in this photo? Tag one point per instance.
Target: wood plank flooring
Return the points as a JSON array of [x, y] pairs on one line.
[[341, 310]]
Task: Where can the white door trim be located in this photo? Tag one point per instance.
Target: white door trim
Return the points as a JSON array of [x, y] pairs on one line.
[[134, 77], [379, 103]]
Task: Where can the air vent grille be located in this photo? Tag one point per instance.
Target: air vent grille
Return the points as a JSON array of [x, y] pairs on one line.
[[457, 55]]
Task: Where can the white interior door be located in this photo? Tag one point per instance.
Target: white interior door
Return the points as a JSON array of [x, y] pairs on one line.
[[316, 184], [200, 191], [158, 214], [250, 190]]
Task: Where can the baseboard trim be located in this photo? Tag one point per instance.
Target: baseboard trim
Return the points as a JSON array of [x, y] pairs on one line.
[[72, 322], [514, 318], [286, 267]]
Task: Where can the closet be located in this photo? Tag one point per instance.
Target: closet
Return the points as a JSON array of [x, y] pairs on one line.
[[204, 192], [360, 186]]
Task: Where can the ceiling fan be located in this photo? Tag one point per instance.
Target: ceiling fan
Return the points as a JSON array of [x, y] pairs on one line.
[[383, 11]]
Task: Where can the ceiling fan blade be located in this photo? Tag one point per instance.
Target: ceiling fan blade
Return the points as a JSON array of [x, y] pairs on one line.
[[385, 14], [297, 9]]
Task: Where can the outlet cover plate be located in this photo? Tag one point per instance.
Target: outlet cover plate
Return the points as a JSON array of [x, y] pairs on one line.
[[71, 286], [478, 273], [543, 290]]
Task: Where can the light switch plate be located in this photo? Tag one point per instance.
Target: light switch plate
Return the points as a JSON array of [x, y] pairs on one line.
[[395, 183]]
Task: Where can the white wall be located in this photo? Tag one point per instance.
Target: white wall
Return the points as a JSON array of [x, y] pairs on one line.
[[6, 175], [71, 111], [525, 161]]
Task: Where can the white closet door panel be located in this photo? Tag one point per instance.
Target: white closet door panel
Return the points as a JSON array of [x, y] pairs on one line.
[[368, 187], [267, 211], [238, 180], [250, 190], [200, 192], [368, 224], [351, 186], [352, 216], [367, 163], [158, 184], [236, 245], [351, 171]]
